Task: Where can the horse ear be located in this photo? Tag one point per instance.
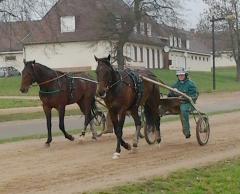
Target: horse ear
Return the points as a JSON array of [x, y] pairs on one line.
[[109, 57], [34, 61], [24, 61], [96, 58]]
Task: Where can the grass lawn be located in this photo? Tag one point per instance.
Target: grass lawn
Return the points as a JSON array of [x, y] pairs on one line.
[[14, 103], [225, 81], [220, 178], [10, 87]]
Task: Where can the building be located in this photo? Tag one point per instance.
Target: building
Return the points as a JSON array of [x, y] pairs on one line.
[[67, 39]]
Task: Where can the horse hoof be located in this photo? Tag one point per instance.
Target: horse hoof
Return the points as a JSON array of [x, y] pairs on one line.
[[116, 156], [94, 138], [71, 138], [128, 147], [135, 145], [47, 144], [159, 140]]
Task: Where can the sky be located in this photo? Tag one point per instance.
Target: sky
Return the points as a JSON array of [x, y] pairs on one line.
[[193, 10]]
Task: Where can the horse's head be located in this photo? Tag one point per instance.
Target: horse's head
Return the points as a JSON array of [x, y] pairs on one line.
[[28, 77], [105, 75]]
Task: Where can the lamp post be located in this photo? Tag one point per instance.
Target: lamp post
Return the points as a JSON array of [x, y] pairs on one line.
[[185, 57], [213, 20]]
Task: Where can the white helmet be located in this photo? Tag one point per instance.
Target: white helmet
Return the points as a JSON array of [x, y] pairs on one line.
[[181, 71]]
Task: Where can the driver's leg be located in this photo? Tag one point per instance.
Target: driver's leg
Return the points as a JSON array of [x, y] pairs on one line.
[[184, 115]]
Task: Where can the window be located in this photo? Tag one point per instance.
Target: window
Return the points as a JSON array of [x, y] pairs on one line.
[[203, 58], [158, 58], [10, 58], [200, 58], [179, 42], [128, 50], [135, 53], [135, 29], [192, 57], [153, 57], [142, 29], [67, 24], [175, 42], [141, 54], [149, 30], [187, 44], [148, 61], [195, 57], [171, 41], [207, 59]]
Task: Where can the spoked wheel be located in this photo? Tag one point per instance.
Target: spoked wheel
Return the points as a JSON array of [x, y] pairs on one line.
[[150, 134], [99, 121], [203, 130]]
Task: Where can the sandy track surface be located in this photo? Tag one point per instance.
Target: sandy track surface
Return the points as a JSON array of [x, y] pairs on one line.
[[73, 167]]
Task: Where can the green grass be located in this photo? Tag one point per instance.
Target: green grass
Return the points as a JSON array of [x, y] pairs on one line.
[[225, 79], [220, 178], [14, 103], [10, 87]]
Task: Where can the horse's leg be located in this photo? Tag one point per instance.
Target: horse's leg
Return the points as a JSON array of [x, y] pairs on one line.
[[137, 121], [157, 125], [47, 110], [61, 111], [93, 130], [85, 107], [118, 122]]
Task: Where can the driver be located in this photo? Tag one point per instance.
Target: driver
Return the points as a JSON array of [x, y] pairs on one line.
[[185, 85]]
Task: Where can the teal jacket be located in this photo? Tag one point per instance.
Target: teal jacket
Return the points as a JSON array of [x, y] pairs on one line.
[[188, 87]]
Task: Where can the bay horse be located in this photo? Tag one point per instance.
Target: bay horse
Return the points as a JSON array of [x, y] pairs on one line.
[[117, 90], [57, 90]]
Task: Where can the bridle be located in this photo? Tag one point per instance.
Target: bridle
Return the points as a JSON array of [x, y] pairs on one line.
[[116, 82]]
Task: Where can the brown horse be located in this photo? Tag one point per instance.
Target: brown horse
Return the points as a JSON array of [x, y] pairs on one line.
[[117, 88], [58, 90]]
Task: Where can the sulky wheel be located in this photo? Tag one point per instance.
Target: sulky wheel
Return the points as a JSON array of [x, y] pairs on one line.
[[203, 130], [150, 134], [99, 121]]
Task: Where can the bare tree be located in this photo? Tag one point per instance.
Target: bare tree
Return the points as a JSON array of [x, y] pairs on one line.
[[118, 27], [24, 10], [228, 9]]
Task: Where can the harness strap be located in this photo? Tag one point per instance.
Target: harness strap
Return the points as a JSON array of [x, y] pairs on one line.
[[138, 86], [48, 81]]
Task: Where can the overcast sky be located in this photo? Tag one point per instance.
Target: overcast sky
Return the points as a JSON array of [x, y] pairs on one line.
[[193, 10]]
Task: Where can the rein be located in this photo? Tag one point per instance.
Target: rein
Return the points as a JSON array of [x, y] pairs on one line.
[[48, 81], [118, 81], [56, 78]]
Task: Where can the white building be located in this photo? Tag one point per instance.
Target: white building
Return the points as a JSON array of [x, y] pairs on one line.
[[67, 39]]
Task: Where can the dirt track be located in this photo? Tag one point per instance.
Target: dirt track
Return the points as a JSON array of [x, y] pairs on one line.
[[66, 167]]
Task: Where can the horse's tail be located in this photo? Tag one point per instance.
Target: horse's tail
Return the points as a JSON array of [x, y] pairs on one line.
[[148, 115], [151, 106]]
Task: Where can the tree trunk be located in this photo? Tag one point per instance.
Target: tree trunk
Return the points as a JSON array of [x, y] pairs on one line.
[[165, 60], [137, 13], [238, 68], [120, 57]]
